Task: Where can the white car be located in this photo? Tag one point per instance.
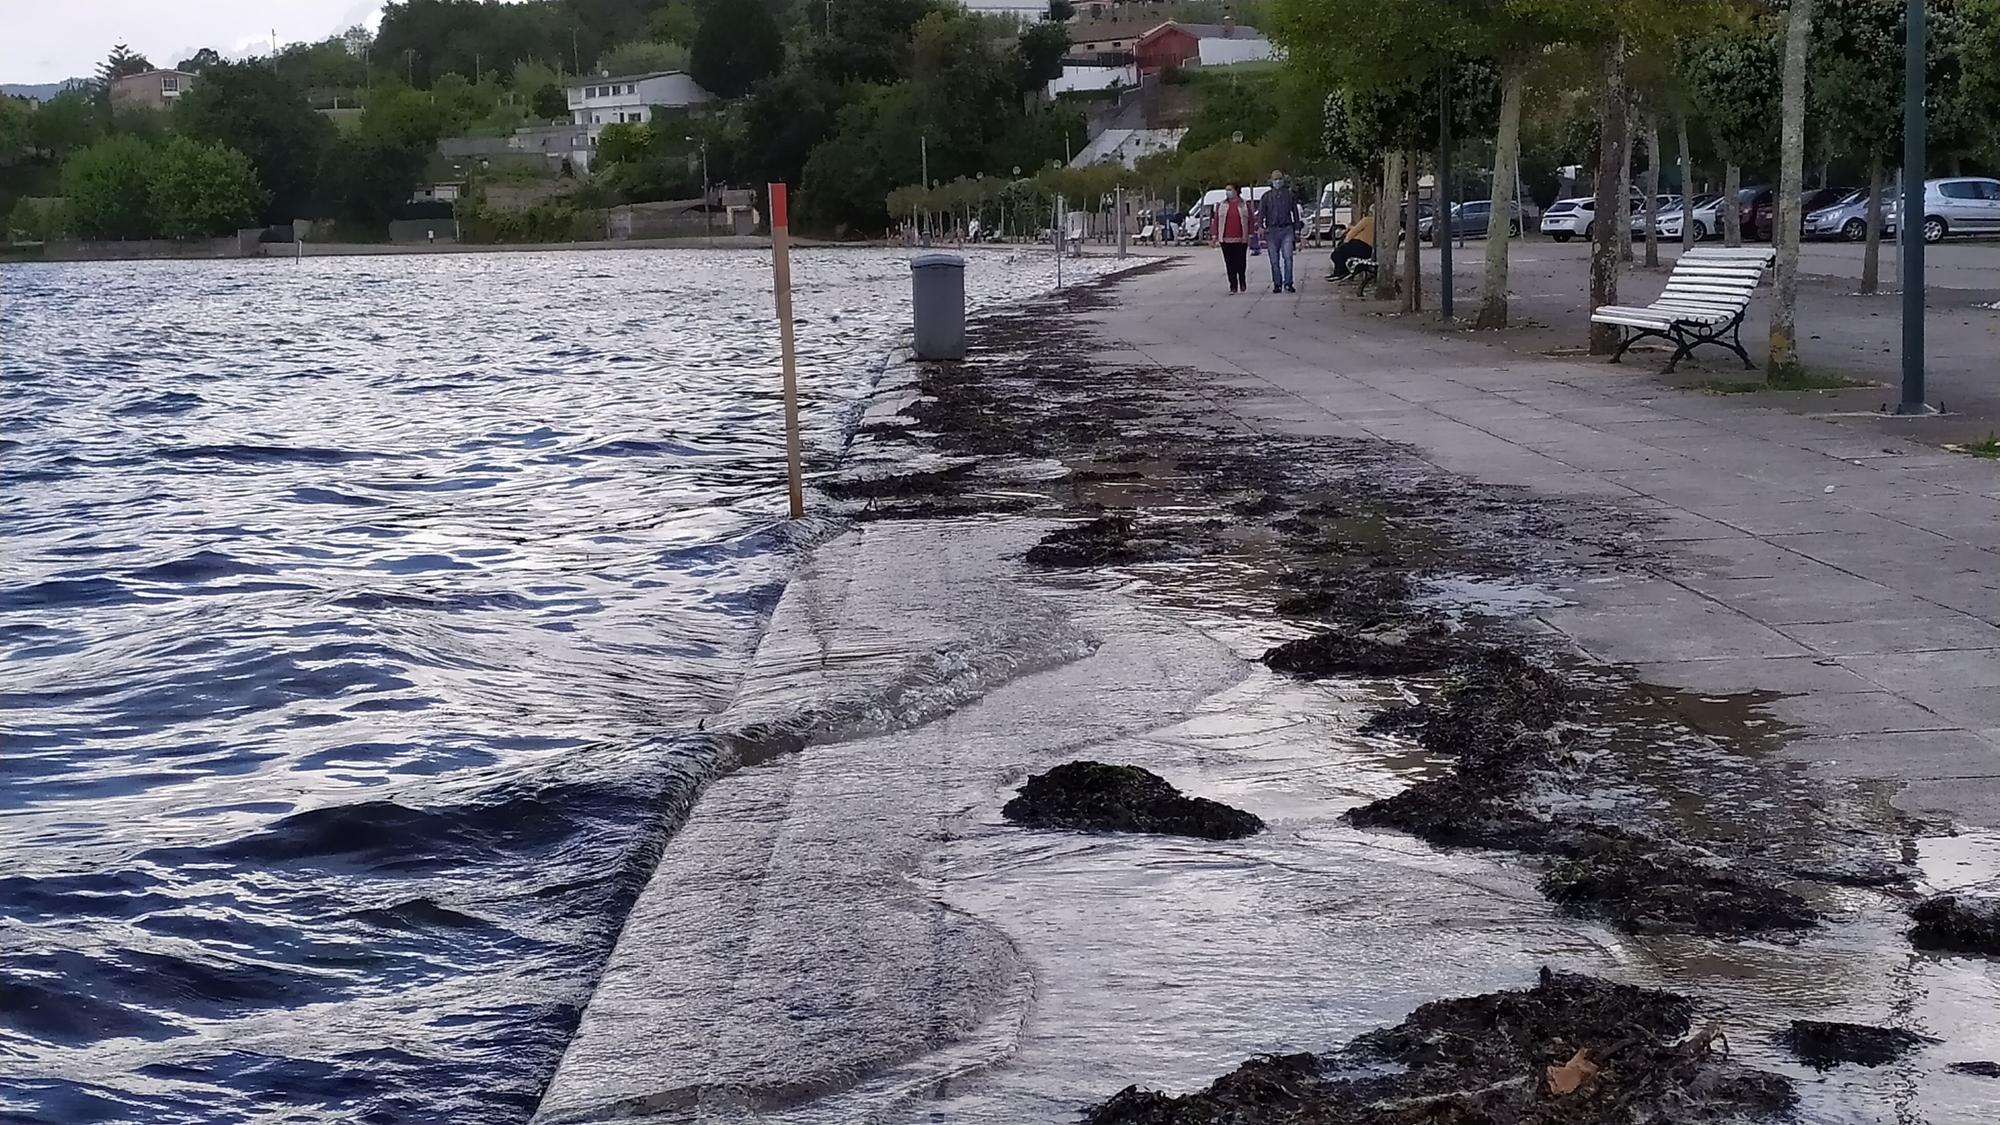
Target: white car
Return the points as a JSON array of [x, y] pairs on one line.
[[1570, 218], [1707, 218]]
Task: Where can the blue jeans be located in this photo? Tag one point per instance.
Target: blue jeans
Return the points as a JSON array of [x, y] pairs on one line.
[[1278, 244]]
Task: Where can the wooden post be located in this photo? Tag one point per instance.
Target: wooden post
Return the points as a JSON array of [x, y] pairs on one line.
[[781, 270]]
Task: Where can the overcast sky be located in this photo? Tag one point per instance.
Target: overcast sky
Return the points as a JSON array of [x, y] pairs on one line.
[[50, 40]]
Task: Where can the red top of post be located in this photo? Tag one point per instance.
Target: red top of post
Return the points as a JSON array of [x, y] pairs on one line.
[[779, 218]]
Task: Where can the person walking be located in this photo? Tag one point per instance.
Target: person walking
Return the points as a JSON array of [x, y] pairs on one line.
[[1235, 221], [1279, 216]]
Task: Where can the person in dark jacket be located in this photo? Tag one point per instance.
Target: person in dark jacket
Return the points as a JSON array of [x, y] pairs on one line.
[[1279, 216]]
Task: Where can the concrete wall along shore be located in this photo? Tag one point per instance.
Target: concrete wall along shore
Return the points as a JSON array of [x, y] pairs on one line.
[[242, 244]]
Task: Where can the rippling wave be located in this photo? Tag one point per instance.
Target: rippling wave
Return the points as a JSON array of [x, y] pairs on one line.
[[360, 617]]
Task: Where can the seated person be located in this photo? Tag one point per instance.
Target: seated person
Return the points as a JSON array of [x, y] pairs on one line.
[[1358, 242]]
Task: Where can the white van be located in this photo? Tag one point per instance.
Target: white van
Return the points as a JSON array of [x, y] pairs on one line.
[[1197, 225]]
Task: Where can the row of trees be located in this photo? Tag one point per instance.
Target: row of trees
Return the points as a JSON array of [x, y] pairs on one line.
[[242, 146], [1755, 85], [865, 94]]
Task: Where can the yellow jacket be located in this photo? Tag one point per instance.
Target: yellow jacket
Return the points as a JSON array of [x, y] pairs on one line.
[[1363, 230]]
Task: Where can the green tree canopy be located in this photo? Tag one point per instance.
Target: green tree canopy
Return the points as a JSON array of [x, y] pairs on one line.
[[201, 190], [16, 127], [367, 176], [785, 119], [65, 123], [738, 45], [122, 61], [1039, 55], [1733, 77], [251, 108], [550, 103], [425, 38], [644, 58], [199, 61], [675, 21], [108, 190]]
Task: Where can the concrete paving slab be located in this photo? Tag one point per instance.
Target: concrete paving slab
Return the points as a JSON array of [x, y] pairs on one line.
[[1812, 594], [1872, 712], [1795, 674], [1671, 631], [1946, 630], [1906, 755], [1974, 670]]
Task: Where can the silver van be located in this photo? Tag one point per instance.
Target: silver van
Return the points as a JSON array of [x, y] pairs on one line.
[[1961, 205]]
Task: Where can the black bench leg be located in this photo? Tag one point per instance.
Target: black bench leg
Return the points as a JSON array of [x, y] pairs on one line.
[[1634, 336], [1683, 347], [1736, 331]]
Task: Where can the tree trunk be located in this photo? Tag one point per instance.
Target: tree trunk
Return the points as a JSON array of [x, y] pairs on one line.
[[1506, 150], [1784, 346], [1732, 207], [1871, 254], [1389, 226], [1687, 184], [1413, 266], [1611, 156], [1652, 190], [1625, 194]]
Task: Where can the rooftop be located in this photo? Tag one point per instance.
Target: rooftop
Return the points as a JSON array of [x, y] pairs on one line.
[[595, 79], [1097, 31]]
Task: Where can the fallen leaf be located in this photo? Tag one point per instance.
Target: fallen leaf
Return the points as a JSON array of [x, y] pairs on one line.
[[1568, 1077]]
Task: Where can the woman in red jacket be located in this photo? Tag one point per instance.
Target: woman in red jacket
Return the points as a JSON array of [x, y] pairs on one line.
[[1235, 223]]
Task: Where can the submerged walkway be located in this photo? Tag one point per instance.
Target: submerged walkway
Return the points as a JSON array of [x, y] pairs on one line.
[[1858, 575]]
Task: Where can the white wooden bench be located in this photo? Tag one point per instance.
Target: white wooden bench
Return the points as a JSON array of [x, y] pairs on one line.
[[1705, 299]]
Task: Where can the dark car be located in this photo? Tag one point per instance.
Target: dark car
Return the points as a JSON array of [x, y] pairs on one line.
[[1817, 198], [1759, 208], [1470, 219]]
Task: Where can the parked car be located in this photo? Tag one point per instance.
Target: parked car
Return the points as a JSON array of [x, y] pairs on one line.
[[1847, 217], [1570, 218], [1961, 205], [1758, 207], [1706, 215], [1642, 220], [1469, 219]]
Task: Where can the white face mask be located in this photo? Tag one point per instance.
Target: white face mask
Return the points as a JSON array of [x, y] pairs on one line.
[[1276, 182]]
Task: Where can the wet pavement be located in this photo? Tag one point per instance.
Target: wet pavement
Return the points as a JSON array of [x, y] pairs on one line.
[[848, 928]]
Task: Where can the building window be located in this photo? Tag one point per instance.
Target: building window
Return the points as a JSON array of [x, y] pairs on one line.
[[170, 84], [631, 89]]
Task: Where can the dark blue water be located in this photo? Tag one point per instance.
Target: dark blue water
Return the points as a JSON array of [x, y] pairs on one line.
[[358, 617]]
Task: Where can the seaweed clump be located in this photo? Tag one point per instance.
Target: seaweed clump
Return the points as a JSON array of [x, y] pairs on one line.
[[1573, 1050], [1957, 923], [1824, 1045], [1096, 797]]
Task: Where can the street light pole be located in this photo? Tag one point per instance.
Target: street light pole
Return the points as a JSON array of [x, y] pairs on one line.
[[1912, 218], [1442, 220], [707, 220]]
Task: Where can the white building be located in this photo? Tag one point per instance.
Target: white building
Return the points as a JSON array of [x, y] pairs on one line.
[[1094, 75], [631, 98], [1228, 51], [1018, 9]]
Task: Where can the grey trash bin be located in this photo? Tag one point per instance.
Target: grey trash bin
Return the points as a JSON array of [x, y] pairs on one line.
[[938, 302]]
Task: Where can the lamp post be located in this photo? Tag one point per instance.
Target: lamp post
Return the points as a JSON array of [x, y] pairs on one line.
[[1911, 230], [707, 220]]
